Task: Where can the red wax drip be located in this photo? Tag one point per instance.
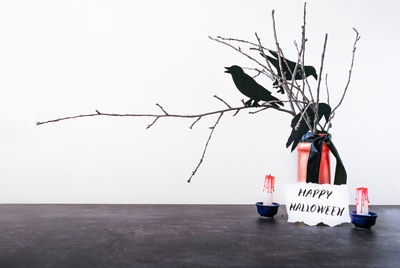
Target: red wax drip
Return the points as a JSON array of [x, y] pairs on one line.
[[364, 197], [269, 184]]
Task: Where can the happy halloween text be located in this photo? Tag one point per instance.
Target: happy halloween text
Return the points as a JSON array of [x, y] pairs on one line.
[[316, 194]]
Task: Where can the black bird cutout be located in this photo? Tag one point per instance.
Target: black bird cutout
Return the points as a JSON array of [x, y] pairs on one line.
[[250, 88], [308, 69], [324, 110]]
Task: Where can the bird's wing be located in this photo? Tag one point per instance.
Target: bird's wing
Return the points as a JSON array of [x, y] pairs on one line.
[[295, 135], [291, 64], [324, 110], [273, 53], [258, 90], [272, 98], [249, 87], [262, 91], [265, 95], [273, 61]]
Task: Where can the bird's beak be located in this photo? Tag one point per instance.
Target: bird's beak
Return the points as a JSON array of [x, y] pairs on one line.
[[227, 70], [315, 76]]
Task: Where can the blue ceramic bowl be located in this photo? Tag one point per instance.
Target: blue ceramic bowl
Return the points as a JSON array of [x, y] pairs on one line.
[[363, 221], [267, 211]]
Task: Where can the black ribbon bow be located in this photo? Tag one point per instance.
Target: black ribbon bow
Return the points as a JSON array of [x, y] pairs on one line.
[[314, 159]]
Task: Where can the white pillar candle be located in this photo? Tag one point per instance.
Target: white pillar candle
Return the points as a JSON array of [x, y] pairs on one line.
[[362, 201], [269, 187]]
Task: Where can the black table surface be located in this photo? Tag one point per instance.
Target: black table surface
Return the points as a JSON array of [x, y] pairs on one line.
[[187, 236]]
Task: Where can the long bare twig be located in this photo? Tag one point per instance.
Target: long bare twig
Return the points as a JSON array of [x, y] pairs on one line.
[[327, 89], [205, 147], [266, 105], [283, 76], [316, 118], [261, 48], [194, 122], [238, 50], [215, 96], [162, 109], [98, 113], [302, 116], [303, 43], [271, 74], [240, 41], [357, 38]]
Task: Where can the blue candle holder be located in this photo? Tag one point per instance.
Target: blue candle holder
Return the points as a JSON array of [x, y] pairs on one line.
[[267, 211], [363, 221]]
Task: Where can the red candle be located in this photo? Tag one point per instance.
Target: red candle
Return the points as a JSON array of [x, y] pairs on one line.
[[268, 189], [362, 201]]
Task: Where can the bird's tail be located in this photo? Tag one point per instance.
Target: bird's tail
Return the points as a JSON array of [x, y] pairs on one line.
[[273, 53], [272, 60], [276, 103]]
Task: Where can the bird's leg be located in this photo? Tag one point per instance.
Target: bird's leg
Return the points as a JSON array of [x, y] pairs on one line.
[[275, 84], [255, 104], [248, 103]]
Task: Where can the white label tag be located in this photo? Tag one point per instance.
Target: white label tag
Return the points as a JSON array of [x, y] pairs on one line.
[[313, 203]]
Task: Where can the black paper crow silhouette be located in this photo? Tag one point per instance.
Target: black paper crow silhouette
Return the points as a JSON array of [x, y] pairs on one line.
[[249, 87], [308, 69], [324, 110]]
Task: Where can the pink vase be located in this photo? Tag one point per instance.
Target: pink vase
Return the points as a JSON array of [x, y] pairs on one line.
[[303, 149]]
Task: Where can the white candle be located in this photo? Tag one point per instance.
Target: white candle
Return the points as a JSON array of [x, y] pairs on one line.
[[362, 201], [269, 187]]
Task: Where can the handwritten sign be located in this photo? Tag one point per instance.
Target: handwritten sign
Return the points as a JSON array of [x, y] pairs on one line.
[[315, 203]]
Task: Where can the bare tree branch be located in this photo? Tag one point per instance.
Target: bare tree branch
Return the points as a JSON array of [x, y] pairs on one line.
[[327, 89], [162, 108], [357, 38], [215, 96], [239, 40], [303, 44], [258, 71], [150, 125], [205, 147], [293, 80], [269, 66], [316, 118], [158, 116], [262, 109], [272, 75], [194, 122], [237, 111], [280, 56], [302, 116], [261, 49], [238, 50], [328, 100], [234, 109], [69, 117], [283, 76]]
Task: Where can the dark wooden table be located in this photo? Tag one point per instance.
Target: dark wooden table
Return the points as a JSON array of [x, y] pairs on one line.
[[98, 236]]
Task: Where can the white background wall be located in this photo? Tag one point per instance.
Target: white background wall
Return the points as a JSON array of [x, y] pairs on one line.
[[60, 58]]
